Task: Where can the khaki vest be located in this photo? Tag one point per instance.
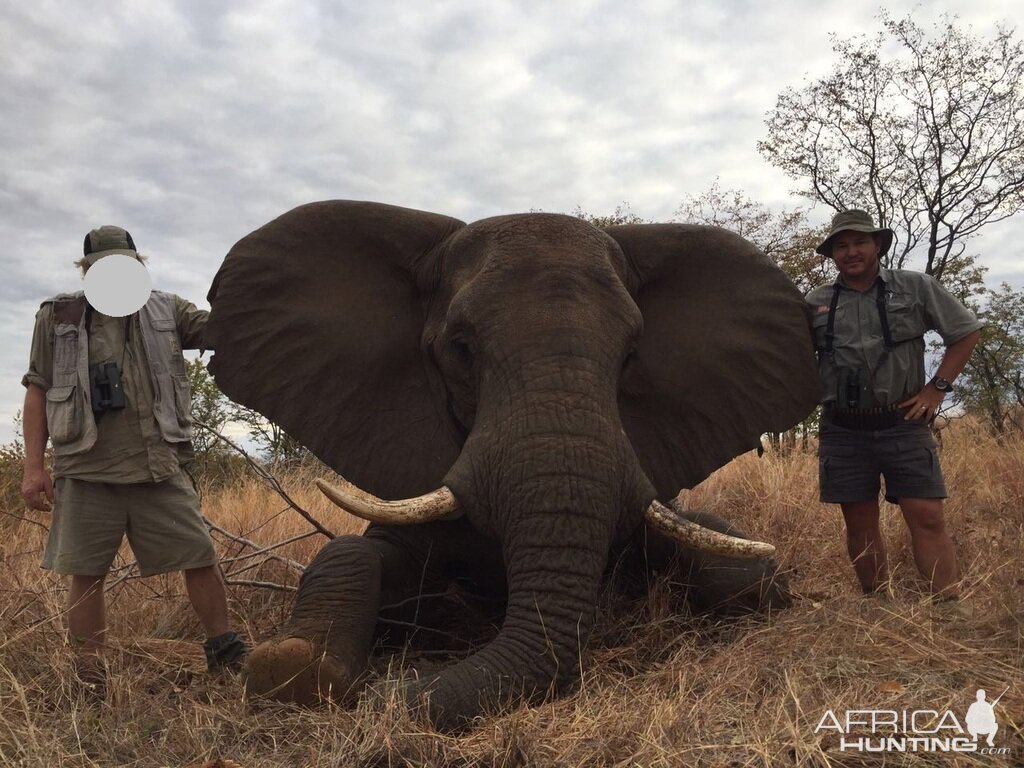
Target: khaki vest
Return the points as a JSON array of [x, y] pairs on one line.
[[69, 415]]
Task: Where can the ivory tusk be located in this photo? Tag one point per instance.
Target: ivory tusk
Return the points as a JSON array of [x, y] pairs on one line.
[[437, 505], [703, 539]]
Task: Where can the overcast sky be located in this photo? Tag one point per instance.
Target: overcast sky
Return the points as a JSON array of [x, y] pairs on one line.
[[192, 123]]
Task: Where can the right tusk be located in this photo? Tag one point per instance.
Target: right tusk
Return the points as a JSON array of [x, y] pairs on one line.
[[437, 505], [703, 539]]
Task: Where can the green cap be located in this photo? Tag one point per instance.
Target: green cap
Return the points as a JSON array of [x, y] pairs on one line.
[[107, 240]]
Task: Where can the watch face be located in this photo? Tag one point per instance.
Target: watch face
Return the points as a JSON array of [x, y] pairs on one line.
[[941, 384]]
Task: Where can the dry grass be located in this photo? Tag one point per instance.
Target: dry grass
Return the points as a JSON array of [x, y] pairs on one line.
[[660, 688]]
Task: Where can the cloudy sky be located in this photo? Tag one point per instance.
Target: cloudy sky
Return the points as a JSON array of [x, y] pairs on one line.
[[192, 123]]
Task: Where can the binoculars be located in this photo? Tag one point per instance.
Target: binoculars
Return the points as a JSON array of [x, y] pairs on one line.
[[854, 389], [105, 386]]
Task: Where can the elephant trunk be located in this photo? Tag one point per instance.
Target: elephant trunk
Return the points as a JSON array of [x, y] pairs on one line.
[[554, 574], [537, 651], [556, 504]]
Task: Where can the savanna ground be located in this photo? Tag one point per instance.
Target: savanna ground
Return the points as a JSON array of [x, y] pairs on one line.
[[660, 687]]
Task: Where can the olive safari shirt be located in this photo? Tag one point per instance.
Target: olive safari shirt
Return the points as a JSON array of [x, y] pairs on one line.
[[914, 304], [129, 446]]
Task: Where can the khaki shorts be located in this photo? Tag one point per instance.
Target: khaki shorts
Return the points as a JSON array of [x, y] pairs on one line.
[[162, 521]]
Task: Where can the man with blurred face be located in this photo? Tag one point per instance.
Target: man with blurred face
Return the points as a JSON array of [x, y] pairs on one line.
[[107, 385], [878, 406]]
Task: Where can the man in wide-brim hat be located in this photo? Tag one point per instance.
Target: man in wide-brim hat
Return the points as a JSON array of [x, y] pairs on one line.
[[869, 331], [856, 220]]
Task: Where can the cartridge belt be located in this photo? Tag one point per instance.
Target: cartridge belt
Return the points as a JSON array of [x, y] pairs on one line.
[[865, 419]]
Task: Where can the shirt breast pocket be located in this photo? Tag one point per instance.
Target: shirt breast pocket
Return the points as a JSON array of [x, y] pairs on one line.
[[906, 319], [165, 331], [65, 350]]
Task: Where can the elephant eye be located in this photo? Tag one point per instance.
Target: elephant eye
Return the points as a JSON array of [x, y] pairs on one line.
[[460, 350]]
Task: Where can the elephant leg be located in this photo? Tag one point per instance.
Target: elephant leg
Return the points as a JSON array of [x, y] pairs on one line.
[[322, 650], [715, 584], [357, 586]]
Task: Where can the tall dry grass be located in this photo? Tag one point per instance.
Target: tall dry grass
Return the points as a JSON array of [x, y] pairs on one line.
[[660, 687]]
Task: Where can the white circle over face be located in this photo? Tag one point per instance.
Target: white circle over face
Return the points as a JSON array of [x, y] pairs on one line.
[[118, 285]]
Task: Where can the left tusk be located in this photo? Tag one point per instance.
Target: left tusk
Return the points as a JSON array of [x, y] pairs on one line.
[[436, 505], [703, 539]]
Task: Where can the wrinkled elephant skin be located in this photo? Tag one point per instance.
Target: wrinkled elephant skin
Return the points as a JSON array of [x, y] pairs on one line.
[[554, 378]]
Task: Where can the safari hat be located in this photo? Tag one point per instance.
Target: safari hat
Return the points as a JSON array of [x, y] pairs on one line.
[[857, 221], [107, 240]]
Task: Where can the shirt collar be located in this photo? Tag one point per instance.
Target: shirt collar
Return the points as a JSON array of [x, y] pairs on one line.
[[885, 275]]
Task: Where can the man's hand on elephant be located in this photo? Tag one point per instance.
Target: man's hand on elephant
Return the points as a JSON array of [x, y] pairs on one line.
[[924, 405], [37, 489]]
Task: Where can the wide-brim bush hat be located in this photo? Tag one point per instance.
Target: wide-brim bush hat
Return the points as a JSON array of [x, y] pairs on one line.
[[857, 221], [107, 240]]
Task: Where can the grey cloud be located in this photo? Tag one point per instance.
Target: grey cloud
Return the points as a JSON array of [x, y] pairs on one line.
[[191, 124]]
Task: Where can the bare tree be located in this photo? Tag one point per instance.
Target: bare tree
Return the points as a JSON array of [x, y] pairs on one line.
[[931, 138], [786, 237], [623, 214], [275, 445], [992, 385]]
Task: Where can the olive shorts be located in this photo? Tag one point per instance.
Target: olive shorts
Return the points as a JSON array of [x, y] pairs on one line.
[[161, 520], [851, 461]]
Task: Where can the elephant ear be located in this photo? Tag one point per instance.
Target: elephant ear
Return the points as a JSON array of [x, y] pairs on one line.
[[725, 356], [316, 321]]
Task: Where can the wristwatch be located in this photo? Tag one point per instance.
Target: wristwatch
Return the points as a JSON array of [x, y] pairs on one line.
[[941, 384]]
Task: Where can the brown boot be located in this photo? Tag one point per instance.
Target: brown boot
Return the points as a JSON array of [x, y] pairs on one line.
[[90, 677]]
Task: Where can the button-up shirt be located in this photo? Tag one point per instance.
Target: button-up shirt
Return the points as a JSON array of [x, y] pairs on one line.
[[914, 304]]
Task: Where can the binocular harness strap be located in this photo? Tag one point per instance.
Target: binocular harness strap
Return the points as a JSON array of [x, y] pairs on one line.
[[830, 326]]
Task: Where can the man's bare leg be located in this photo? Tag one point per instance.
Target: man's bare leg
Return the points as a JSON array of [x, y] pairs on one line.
[[864, 544], [933, 549], [206, 592], [224, 649], [87, 614], [87, 628]]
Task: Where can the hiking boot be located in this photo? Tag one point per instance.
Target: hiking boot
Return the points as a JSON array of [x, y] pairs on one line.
[[225, 652], [90, 679]]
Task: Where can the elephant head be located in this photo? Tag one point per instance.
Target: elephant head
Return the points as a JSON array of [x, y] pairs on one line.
[[551, 378]]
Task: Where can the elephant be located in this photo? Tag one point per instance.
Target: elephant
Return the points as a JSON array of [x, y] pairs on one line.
[[513, 403]]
